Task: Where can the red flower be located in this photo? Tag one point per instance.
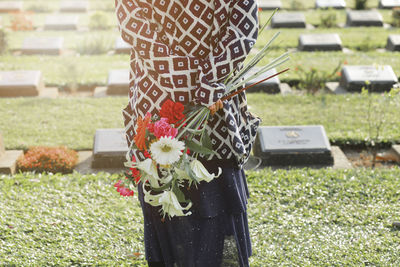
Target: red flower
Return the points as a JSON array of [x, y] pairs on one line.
[[172, 111], [136, 172], [123, 191], [163, 128]]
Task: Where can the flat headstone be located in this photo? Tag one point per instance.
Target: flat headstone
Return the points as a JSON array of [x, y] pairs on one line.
[[74, 6], [320, 42], [269, 4], [357, 18], [20, 83], [288, 20], [271, 86], [109, 148], [382, 78], [293, 145], [118, 82], [393, 42], [8, 162], [10, 6], [61, 22], [122, 47], [389, 4], [337, 4], [42, 45]]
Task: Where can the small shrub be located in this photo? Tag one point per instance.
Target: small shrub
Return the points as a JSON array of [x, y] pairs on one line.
[[366, 44], [314, 79], [94, 45], [3, 41], [361, 4], [297, 5], [48, 159], [99, 21], [328, 19], [21, 21], [396, 16]]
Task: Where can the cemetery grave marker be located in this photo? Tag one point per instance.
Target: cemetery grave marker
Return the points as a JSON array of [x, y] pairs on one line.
[[42, 45], [293, 145], [337, 4], [269, 4], [109, 148], [61, 22], [393, 42], [271, 86], [122, 47], [382, 78], [20, 83], [357, 18], [8, 159], [10, 6], [389, 4], [118, 82], [320, 42], [74, 6], [288, 20]]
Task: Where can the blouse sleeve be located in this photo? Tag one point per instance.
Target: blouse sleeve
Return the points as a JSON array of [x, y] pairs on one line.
[[240, 36], [134, 21]]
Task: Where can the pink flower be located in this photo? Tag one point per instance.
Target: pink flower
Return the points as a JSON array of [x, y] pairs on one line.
[[163, 128], [123, 191]]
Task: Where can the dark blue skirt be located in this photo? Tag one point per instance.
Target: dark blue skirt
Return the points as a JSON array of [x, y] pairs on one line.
[[217, 231]]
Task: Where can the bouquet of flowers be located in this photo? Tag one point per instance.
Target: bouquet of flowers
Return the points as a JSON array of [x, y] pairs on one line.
[[171, 149]]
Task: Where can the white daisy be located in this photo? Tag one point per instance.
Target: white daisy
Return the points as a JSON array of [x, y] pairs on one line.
[[167, 150]]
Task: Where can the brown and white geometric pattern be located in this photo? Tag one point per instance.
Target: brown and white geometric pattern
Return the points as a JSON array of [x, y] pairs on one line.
[[183, 50]]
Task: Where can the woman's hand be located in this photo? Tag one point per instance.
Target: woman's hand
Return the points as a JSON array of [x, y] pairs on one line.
[[215, 107]]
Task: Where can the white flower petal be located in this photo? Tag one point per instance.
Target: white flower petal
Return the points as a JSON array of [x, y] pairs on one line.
[[201, 172], [150, 169], [166, 150]]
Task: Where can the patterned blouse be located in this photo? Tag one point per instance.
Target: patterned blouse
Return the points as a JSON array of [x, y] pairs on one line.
[[183, 50]]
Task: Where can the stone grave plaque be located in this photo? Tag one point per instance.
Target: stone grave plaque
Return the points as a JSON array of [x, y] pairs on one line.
[[20, 83], [337, 4], [271, 86], [109, 148], [293, 145], [42, 45], [118, 82], [382, 78], [74, 6], [357, 18], [10, 6], [61, 22], [269, 4], [288, 20], [320, 42], [393, 42], [122, 47], [389, 4]]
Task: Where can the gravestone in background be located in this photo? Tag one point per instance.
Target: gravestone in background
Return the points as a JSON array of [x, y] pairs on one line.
[[393, 42], [320, 42], [269, 4], [10, 6], [109, 148], [8, 159], [74, 6], [271, 86], [122, 47], [389, 4], [42, 45], [288, 20], [293, 146], [356, 18], [61, 22], [20, 83], [337, 4], [382, 78], [118, 82]]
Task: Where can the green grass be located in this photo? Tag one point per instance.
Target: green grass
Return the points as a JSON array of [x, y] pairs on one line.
[[297, 217], [73, 121]]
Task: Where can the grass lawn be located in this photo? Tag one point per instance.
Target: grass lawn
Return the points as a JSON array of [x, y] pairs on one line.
[[73, 121], [298, 217]]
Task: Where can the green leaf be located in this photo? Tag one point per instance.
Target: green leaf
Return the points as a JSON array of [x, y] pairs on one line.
[[206, 141], [179, 195], [198, 148]]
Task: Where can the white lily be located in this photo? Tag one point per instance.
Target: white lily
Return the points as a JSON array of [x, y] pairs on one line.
[[182, 175], [201, 172], [150, 169]]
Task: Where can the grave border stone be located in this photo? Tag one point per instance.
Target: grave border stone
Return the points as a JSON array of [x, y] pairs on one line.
[[23, 89], [122, 47], [270, 5], [318, 155], [278, 21], [306, 43], [66, 8], [271, 86], [42, 50], [53, 23], [366, 22], [13, 6], [382, 4], [118, 86], [319, 5], [391, 44]]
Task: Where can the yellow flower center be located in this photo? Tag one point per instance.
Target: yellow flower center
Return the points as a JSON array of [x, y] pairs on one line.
[[166, 148]]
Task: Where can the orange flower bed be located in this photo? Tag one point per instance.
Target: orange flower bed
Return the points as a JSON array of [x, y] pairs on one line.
[[48, 159]]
